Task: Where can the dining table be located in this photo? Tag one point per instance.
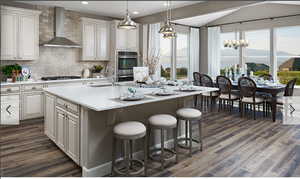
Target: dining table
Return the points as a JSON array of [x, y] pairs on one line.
[[272, 90]]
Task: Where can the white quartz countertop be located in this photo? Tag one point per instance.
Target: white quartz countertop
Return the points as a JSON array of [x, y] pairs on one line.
[[106, 98], [29, 82]]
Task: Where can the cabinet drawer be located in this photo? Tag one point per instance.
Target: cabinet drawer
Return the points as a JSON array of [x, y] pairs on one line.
[[68, 106], [10, 89], [10, 99], [32, 87]]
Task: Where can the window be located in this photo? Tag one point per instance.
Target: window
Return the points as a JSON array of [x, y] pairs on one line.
[[165, 57], [257, 54], [169, 56], [229, 56], [288, 53], [182, 56]]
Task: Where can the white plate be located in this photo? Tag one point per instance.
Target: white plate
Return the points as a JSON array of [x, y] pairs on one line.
[[132, 98]]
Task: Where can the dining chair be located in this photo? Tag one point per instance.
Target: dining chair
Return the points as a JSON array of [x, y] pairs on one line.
[[225, 92], [248, 95], [289, 90], [208, 97]]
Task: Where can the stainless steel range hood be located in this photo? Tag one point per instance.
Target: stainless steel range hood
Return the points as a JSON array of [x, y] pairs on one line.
[[59, 39]]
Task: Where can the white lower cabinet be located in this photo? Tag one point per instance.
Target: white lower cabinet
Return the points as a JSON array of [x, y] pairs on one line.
[[61, 129], [33, 105], [63, 126], [50, 122], [73, 137]]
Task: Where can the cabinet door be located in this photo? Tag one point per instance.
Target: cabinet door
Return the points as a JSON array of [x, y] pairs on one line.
[[73, 137], [121, 39], [33, 105], [50, 117], [89, 42], [27, 38], [103, 42], [61, 127], [10, 110], [8, 37], [132, 39]]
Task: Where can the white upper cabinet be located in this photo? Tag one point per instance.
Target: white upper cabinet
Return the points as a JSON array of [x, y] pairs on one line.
[[95, 40], [126, 39], [19, 34]]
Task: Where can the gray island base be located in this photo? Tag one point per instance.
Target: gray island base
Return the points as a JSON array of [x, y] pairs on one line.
[[79, 120]]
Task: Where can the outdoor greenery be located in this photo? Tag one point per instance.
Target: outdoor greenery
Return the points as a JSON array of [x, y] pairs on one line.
[[285, 76], [181, 73]]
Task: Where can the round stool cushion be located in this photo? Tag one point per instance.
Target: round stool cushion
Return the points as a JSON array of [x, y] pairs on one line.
[[189, 113], [163, 121], [130, 130]]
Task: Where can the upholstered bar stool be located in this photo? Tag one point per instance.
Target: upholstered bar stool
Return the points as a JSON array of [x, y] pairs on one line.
[[189, 115], [128, 132], [163, 122]]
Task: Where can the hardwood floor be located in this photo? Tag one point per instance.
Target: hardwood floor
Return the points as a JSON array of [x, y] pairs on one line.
[[232, 147]]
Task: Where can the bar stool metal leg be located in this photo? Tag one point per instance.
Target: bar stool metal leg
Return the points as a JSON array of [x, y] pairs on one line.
[[200, 134], [113, 156], [191, 137], [162, 148], [126, 157], [186, 133], [175, 141], [146, 155]]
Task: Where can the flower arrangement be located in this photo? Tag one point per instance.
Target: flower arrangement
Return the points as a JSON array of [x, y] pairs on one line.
[[151, 62]]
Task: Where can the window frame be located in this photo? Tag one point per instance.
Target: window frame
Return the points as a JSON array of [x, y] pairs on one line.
[[273, 49], [173, 64]]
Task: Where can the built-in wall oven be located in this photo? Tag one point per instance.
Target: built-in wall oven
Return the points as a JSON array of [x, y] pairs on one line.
[[126, 60]]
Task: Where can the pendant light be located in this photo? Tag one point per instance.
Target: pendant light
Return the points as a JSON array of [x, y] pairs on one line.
[[127, 23], [167, 30]]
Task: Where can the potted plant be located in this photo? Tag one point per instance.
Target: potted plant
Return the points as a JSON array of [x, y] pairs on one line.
[[96, 70], [7, 71]]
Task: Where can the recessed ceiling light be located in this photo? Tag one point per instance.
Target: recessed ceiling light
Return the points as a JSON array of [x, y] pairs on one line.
[[166, 4], [84, 2], [135, 12]]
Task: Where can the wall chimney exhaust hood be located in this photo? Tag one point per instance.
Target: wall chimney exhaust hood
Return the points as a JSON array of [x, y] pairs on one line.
[[59, 39]]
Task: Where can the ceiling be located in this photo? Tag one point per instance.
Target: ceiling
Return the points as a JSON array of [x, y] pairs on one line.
[[287, 2], [204, 19], [114, 8]]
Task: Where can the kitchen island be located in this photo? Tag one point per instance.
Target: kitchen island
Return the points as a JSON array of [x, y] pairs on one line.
[[80, 119]]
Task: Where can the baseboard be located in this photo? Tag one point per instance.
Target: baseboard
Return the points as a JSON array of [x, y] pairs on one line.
[[105, 169]]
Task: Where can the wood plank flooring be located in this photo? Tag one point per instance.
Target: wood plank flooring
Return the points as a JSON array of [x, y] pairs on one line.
[[232, 147]]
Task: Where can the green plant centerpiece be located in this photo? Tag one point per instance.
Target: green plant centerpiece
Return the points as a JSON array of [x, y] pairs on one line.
[[7, 70], [97, 69]]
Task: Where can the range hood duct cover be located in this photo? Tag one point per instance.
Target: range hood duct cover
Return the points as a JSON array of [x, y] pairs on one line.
[[59, 39]]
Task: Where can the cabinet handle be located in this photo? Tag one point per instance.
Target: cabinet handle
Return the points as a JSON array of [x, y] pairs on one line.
[[34, 88], [7, 109], [8, 90]]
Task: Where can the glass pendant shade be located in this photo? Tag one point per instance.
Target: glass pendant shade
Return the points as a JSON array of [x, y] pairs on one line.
[[170, 35], [167, 28], [127, 23]]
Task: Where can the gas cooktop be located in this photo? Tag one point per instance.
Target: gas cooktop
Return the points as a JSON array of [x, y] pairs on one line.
[[48, 78]]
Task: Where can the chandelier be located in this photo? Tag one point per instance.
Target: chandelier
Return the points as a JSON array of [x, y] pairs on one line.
[[236, 43], [167, 30]]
